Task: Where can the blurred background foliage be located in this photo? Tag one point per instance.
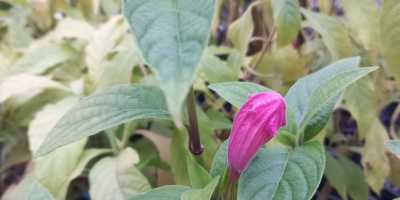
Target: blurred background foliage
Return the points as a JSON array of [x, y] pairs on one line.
[[53, 52]]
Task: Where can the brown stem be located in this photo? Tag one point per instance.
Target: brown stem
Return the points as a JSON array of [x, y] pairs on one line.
[[194, 134]]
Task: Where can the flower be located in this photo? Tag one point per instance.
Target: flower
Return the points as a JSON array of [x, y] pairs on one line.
[[257, 122]]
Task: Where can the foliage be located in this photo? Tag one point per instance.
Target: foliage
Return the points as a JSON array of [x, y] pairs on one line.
[[134, 99]]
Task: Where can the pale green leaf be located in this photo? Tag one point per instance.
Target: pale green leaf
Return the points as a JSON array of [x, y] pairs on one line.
[[237, 93], [201, 194], [46, 119], [111, 54], [53, 170], [287, 20], [172, 35], [241, 30], [333, 33], [105, 110], [394, 146], [389, 36], [363, 20], [117, 178], [26, 85], [283, 174], [39, 58], [376, 163], [169, 192], [360, 95]]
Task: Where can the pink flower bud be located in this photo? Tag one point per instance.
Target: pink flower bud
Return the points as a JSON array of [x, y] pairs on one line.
[[257, 122]]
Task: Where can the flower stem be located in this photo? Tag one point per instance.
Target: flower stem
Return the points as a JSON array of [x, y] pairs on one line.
[[193, 129]]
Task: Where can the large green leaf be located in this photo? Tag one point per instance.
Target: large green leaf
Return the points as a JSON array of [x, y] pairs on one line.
[[172, 35], [346, 177], [283, 174], [389, 35], [117, 178], [313, 97], [237, 93], [394, 146], [333, 32], [104, 110], [287, 20], [169, 192]]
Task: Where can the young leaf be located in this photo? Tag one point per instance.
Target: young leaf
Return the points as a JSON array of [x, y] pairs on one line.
[[287, 20], [184, 27], [394, 147], [117, 178], [104, 110], [201, 194], [284, 174], [237, 93], [390, 42], [333, 32], [313, 97], [169, 192]]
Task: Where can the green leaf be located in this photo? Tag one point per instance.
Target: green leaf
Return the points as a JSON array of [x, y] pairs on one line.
[[283, 174], [313, 97], [216, 70], [201, 194], [394, 147], [389, 36], [346, 177], [105, 110], [169, 192], [287, 20], [198, 176], [178, 158], [184, 27], [220, 161], [333, 32], [237, 93], [117, 178]]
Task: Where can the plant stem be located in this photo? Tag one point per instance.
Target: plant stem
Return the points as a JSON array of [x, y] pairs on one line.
[[193, 129]]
